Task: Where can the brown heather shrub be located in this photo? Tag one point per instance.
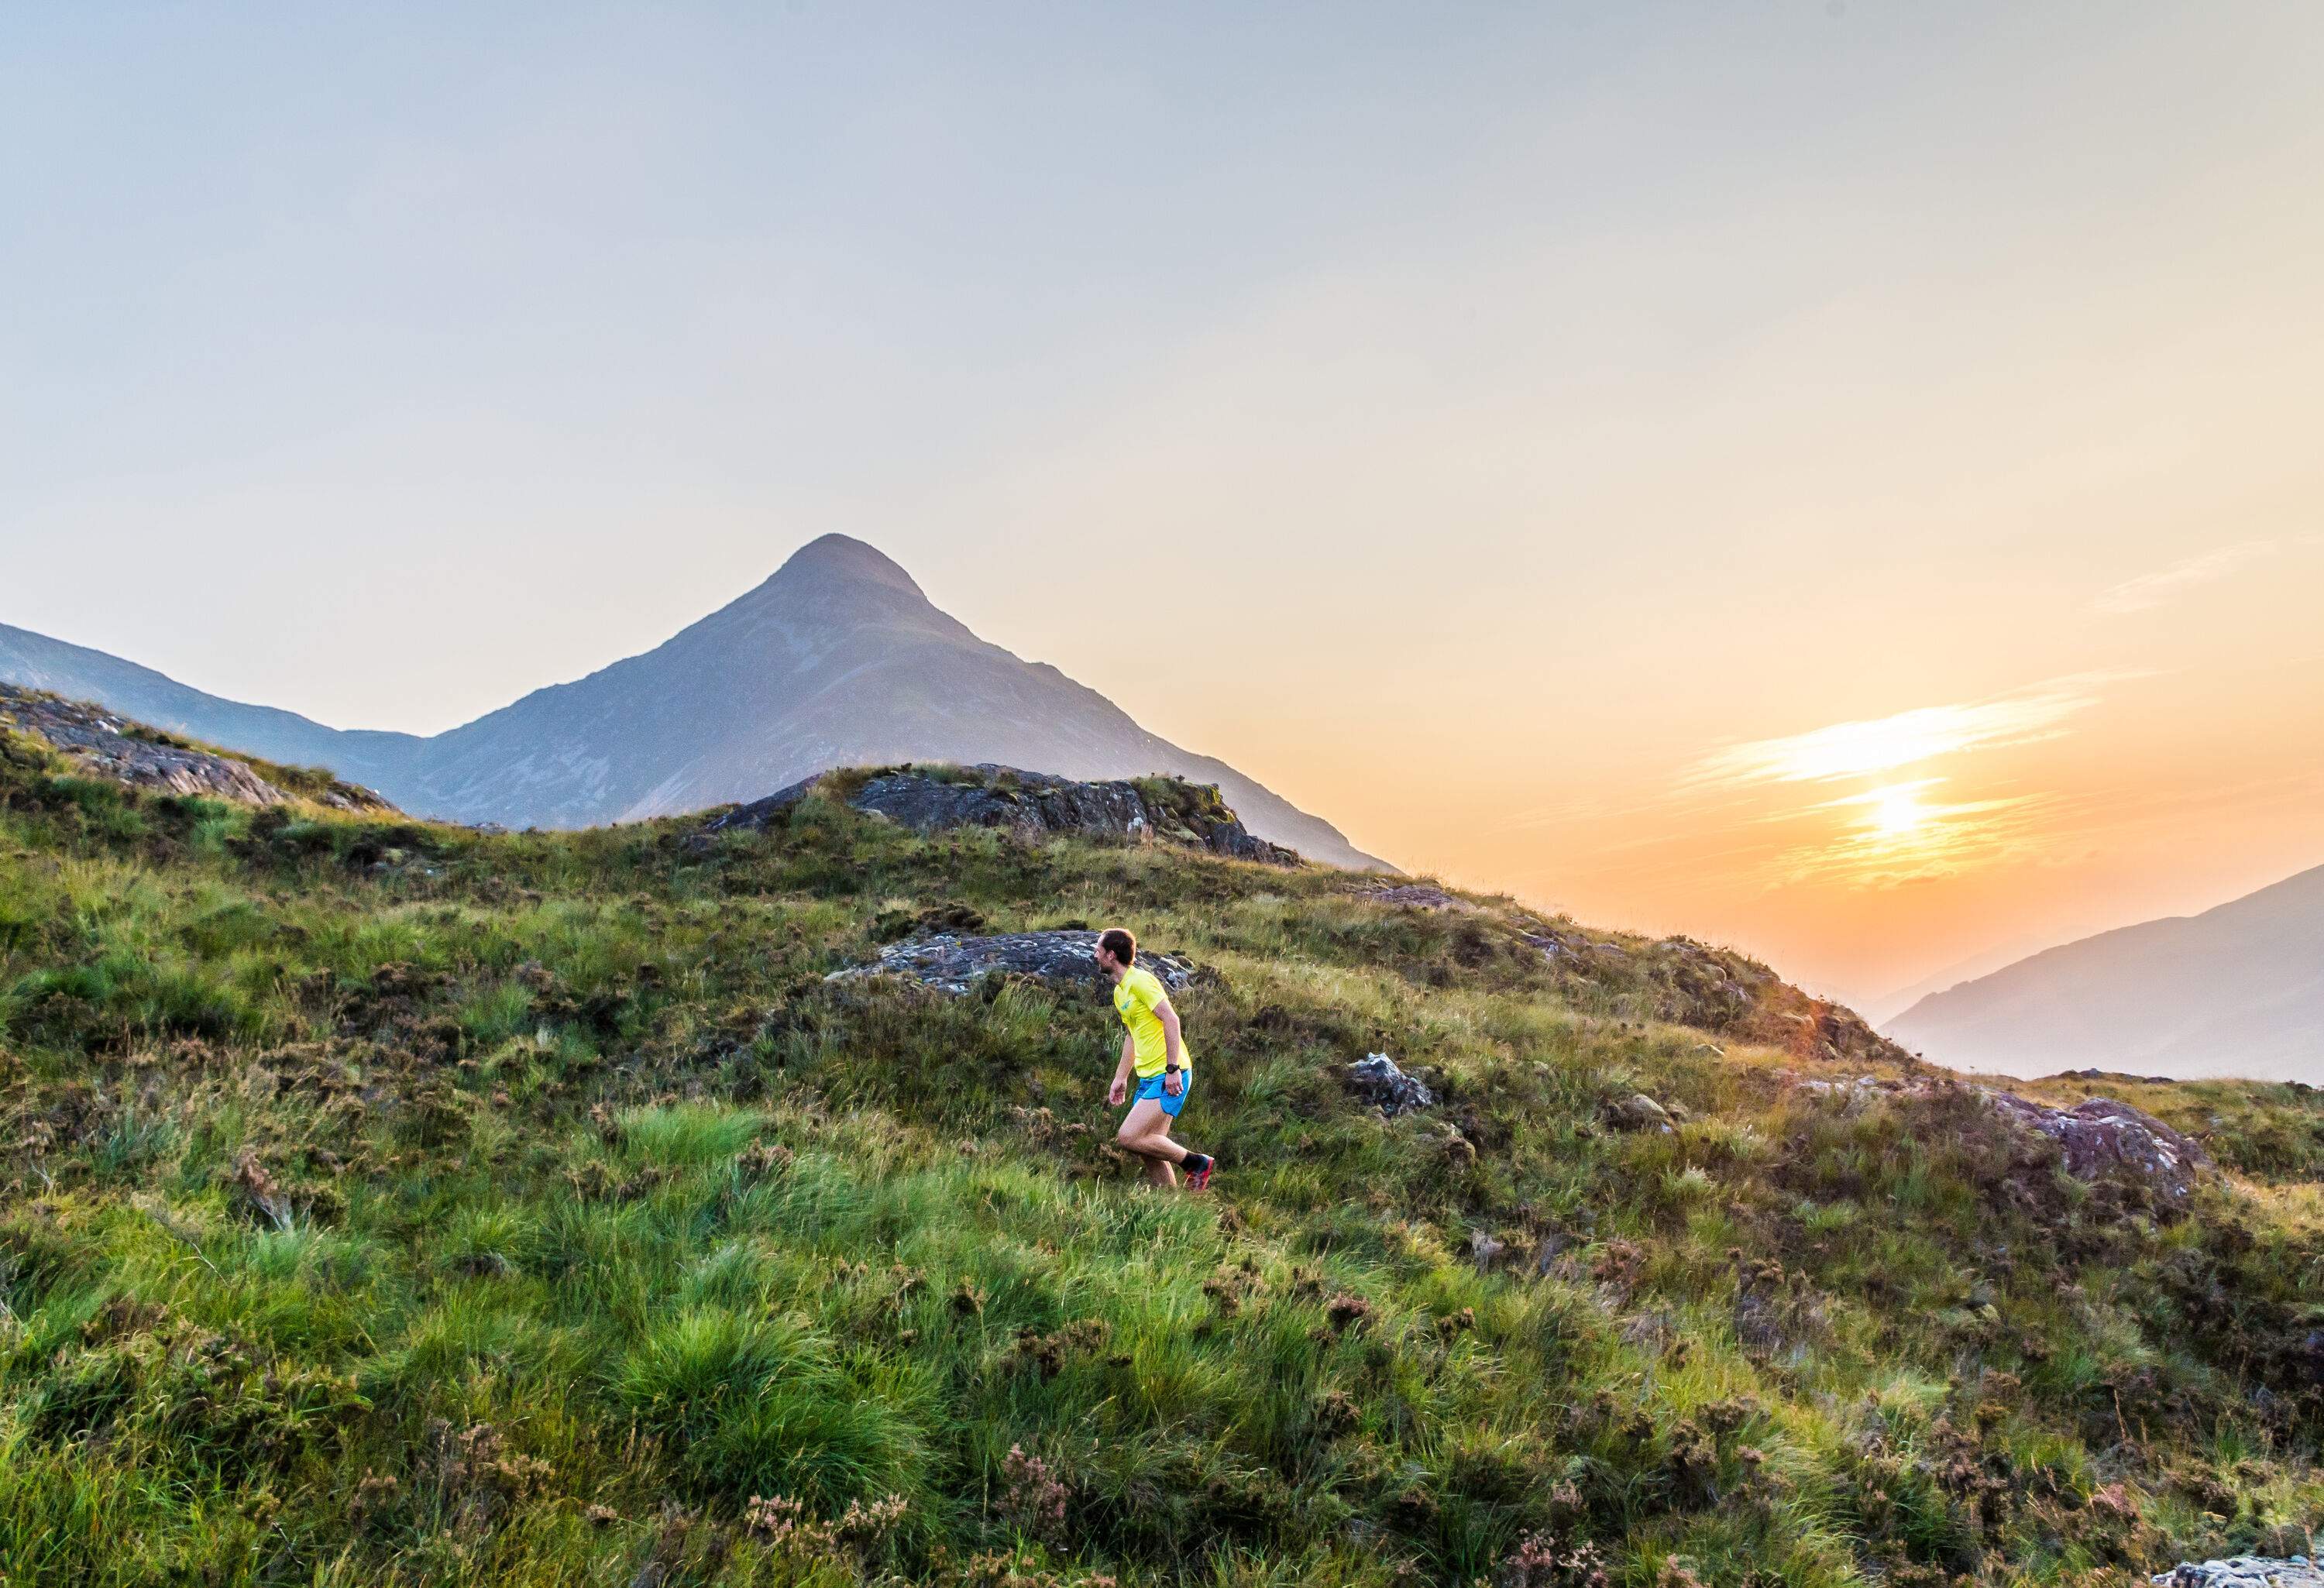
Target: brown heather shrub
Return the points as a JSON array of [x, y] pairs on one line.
[[1032, 1501]]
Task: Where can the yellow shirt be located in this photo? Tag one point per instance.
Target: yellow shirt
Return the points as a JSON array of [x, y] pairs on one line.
[[1134, 998]]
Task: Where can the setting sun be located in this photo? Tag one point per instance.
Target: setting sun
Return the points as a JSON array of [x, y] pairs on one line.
[[1897, 812]]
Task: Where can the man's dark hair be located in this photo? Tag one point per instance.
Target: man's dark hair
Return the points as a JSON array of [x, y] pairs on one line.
[[1119, 942]]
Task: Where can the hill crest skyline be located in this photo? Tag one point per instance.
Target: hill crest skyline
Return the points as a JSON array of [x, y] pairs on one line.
[[836, 657]]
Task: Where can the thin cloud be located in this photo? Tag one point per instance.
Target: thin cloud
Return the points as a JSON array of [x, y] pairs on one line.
[[1881, 744], [1940, 838], [2149, 591]]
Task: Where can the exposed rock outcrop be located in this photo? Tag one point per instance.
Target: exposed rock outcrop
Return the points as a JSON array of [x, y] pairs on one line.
[[100, 744], [1414, 896], [953, 965], [1639, 1112], [1378, 1080], [1861, 1087], [2100, 1135], [2097, 1137], [759, 815], [1841, 1033], [1032, 805], [2243, 1571]]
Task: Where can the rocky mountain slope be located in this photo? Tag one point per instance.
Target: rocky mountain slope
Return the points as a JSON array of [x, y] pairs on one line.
[[2235, 991], [100, 744], [837, 659], [385, 1204]]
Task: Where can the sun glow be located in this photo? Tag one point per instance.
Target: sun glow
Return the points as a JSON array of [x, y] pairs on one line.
[[1897, 812], [1901, 832], [1898, 831]]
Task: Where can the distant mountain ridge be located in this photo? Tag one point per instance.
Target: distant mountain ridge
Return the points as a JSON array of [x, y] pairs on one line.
[[2236, 991], [837, 659], [35, 661], [1888, 1006]]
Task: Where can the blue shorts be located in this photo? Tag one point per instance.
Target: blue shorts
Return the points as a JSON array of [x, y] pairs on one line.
[[1150, 1091]]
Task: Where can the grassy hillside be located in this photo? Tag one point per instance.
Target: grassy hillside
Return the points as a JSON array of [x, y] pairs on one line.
[[389, 1203]]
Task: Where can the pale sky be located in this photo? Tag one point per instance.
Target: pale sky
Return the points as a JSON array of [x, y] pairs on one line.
[[1841, 480]]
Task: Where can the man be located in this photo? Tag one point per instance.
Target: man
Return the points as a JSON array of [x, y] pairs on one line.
[[1154, 1048]]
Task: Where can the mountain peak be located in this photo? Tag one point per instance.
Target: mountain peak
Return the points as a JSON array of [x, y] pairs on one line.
[[837, 659], [842, 557]]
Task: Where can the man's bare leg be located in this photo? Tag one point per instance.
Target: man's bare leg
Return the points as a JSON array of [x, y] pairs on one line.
[[1146, 1131]]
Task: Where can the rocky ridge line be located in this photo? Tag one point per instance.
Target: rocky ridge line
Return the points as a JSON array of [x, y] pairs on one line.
[[1029, 805]]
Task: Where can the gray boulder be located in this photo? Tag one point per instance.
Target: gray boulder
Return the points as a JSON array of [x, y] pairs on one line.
[[2243, 1571], [2101, 1135], [953, 965], [759, 815], [2096, 1137], [1639, 1112], [1377, 1079]]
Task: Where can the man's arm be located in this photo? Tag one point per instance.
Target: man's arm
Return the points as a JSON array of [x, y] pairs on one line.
[[1174, 1057], [1120, 1087]]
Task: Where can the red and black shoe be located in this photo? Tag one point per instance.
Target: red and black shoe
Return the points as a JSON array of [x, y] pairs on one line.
[[1198, 1167]]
